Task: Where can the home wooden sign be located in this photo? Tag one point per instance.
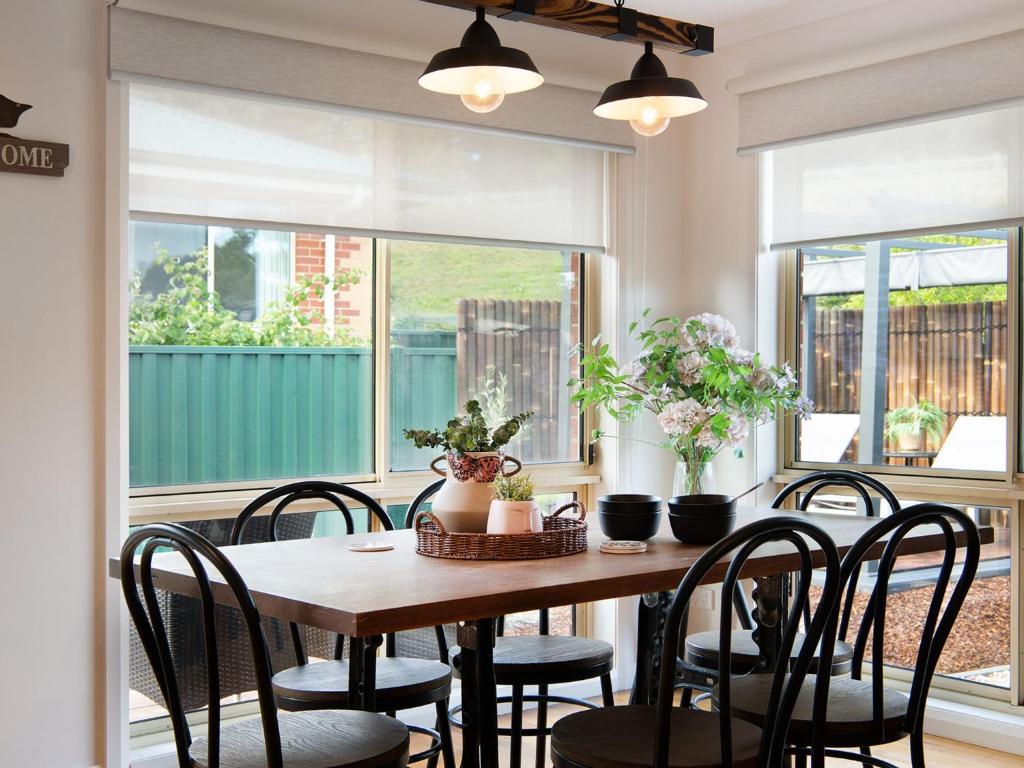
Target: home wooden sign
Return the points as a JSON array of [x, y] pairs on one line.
[[42, 158]]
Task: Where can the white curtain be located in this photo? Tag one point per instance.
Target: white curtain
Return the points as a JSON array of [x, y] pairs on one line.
[[213, 156], [951, 173]]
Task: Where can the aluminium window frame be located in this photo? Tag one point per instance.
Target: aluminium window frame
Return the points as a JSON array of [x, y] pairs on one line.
[[196, 501], [1005, 489]]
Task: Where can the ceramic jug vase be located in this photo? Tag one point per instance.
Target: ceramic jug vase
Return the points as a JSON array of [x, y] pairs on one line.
[[463, 502]]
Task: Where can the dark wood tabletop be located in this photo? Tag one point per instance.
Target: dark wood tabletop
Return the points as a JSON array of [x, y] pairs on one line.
[[320, 582]]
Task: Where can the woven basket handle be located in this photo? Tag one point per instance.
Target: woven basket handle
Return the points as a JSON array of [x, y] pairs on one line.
[[513, 460], [580, 507], [430, 518], [433, 465]]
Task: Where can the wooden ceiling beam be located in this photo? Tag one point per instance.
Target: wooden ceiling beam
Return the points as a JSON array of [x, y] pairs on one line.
[[600, 20]]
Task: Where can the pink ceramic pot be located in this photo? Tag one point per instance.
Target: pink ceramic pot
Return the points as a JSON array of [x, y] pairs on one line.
[[514, 517]]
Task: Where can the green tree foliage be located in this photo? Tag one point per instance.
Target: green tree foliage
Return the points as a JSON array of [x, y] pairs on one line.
[[188, 313]]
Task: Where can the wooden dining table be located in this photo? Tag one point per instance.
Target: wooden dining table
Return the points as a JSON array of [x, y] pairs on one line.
[[321, 583]]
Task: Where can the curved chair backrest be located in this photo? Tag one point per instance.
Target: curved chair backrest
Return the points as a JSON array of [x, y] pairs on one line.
[[333, 493], [146, 615], [862, 485], [784, 690], [284, 495], [832, 478], [939, 619]]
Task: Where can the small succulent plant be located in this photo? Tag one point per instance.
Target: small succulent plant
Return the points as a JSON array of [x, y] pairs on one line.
[[517, 488], [469, 433]]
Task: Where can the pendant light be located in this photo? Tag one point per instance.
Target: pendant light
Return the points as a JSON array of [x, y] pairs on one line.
[[481, 70], [650, 98]]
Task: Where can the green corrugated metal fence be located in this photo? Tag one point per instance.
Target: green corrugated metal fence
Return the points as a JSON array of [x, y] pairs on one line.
[[217, 414], [422, 397]]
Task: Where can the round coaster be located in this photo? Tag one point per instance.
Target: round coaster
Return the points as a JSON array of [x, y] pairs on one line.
[[370, 546], [623, 547]]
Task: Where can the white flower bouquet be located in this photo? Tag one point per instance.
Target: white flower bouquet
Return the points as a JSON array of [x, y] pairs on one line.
[[706, 392]]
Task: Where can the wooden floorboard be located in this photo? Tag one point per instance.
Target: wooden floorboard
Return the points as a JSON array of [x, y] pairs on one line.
[[939, 752]]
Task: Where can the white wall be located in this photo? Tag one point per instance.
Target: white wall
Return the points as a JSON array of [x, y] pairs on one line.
[[52, 56]]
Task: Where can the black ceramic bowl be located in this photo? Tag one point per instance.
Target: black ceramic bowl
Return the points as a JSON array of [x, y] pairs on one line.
[[631, 503], [701, 504], [629, 526], [701, 529]]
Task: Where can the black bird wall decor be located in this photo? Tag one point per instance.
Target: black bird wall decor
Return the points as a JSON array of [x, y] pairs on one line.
[[11, 112]]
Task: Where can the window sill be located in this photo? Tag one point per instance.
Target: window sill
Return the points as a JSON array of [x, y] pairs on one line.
[[394, 488], [939, 488]]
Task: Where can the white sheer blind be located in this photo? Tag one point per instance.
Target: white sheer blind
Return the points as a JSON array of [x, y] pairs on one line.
[[952, 80], [948, 173], [218, 157]]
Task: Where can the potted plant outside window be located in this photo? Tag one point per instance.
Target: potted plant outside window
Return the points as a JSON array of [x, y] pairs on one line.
[[474, 458], [907, 426]]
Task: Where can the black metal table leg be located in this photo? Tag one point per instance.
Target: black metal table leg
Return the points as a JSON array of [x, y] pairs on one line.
[[651, 615], [479, 694], [769, 609], [362, 672]]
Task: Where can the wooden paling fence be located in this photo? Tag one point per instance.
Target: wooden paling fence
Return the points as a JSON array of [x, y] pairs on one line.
[[518, 352], [953, 355]]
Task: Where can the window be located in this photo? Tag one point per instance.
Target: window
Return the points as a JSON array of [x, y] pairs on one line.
[[978, 649], [501, 333], [249, 358], [902, 345]]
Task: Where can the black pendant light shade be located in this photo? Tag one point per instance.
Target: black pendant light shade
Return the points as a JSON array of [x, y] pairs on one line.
[[650, 97], [481, 69]]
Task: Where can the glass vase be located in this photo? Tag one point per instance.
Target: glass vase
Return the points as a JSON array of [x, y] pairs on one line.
[[692, 478]]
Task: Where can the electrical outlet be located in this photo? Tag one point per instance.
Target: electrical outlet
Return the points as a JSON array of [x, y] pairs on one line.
[[704, 598]]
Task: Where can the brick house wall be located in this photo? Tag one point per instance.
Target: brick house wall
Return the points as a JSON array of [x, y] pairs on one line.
[[352, 303]]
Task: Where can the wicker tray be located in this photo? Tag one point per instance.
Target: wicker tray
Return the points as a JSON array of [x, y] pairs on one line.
[[561, 536]]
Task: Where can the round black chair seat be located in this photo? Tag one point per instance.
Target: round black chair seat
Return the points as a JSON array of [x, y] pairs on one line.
[[401, 684], [321, 739], [702, 651], [623, 737], [545, 659], [848, 720]]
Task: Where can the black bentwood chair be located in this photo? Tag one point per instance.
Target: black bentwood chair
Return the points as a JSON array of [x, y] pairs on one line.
[[699, 664], [402, 683], [665, 737], [314, 739], [537, 660], [862, 713]]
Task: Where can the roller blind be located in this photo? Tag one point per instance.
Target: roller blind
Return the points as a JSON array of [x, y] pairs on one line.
[[959, 79], [212, 156], [950, 173], [146, 46]]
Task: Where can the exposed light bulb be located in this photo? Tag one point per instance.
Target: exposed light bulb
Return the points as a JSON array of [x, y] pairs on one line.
[[650, 122], [483, 98]]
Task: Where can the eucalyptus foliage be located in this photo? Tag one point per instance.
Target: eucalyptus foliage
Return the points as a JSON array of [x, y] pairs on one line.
[[469, 433], [705, 391]]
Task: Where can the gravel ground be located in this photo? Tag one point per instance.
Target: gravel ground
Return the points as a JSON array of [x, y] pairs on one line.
[[980, 638]]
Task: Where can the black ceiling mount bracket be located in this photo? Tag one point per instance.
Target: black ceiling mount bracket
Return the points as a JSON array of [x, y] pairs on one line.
[[627, 24], [704, 37], [521, 10]]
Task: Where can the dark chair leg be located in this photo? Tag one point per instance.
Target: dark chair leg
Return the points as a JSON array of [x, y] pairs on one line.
[[444, 728], [542, 724], [867, 751], [516, 749], [801, 760], [607, 695], [686, 698]]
